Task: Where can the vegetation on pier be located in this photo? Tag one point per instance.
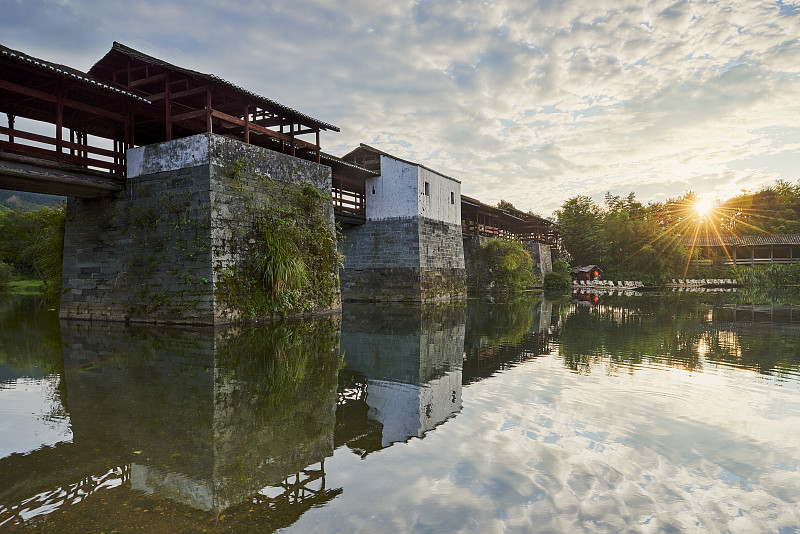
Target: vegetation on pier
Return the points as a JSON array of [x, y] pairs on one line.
[[559, 278], [285, 258]]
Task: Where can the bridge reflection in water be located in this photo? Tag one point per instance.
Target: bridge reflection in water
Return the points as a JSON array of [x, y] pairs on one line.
[[208, 418], [402, 374], [173, 427]]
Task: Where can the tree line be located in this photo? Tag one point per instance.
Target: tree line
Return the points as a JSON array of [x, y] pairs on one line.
[[630, 240]]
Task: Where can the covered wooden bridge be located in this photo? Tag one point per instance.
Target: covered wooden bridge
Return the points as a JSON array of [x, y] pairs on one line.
[[131, 99], [748, 250], [479, 219]]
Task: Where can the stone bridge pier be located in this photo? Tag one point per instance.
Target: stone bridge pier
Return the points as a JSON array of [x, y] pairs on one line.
[[409, 248], [155, 252]]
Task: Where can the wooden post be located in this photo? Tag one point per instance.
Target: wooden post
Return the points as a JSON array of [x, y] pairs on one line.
[[247, 124], [209, 122], [168, 133], [128, 130], [59, 125], [291, 134], [318, 151], [11, 118]]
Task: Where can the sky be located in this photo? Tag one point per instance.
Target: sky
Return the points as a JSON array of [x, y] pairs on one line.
[[531, 101]]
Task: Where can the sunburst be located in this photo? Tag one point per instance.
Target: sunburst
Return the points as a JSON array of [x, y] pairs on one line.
[[694, 219], [703, 206]]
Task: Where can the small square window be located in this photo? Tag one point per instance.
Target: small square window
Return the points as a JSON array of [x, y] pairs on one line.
[[427, 189]]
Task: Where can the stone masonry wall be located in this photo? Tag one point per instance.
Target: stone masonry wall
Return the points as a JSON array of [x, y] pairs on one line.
[[441, 260], [245, 176], [142, 255], [410, 258], [541, 256], [472, 246], [153, 252], [381, 260]]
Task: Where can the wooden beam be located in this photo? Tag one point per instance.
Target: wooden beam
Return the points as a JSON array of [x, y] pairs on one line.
[[47, 97], [189, 115], [260, 129], [178, 94], [59, 124], [144, 81]]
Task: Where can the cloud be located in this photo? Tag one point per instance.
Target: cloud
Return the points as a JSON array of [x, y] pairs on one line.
[[529, 101]]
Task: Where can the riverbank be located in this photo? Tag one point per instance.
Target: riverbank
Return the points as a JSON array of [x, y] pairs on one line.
[[24, 287]]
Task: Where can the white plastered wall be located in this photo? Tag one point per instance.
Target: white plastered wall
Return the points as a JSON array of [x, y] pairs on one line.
[[395, 191], [400, 192], [443, 201]]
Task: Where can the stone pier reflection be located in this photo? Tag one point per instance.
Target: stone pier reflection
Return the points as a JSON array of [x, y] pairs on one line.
[[505, 333], [207, 416], [402, 374]]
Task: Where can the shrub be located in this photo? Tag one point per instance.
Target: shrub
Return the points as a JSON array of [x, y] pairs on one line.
[[6, 275], [503, 266], [559, 278], [286, 258]]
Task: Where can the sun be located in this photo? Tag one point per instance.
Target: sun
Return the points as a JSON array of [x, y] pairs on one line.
[[703, 206]]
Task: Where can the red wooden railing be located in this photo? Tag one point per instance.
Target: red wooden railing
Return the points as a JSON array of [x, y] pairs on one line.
[[348, 196], [63, 151]]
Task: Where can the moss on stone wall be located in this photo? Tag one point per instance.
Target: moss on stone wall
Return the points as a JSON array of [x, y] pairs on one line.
[[169, 238], [285, 259]]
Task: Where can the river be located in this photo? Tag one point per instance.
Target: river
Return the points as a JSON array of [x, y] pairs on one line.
[[675, 412]]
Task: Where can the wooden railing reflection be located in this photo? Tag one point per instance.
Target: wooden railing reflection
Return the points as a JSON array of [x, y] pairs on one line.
[[15, 515]]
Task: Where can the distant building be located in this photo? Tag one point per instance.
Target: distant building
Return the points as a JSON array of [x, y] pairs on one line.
[[586, 272]]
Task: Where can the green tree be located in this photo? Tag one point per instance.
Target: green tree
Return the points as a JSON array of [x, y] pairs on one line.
[[504, 266], [580, 223], [33, 242]]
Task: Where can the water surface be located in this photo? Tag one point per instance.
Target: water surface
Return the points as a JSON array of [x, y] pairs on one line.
[[655, 413]]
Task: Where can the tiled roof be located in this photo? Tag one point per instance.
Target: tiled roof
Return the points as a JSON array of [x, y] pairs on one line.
[[513, 213], [330, 158], [743, 240], [67, 72], [382, 153], [130, 52]]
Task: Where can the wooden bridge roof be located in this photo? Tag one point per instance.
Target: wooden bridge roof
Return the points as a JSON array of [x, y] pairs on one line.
[[119, 56], [118, 64], [742, 240], [363, 152], [30, 88], [513, 216], [348, 169]]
